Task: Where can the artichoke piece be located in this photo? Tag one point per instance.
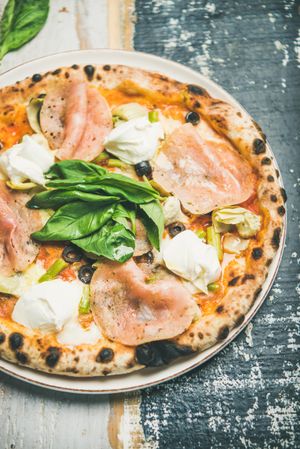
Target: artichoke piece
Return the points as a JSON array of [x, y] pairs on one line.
[[33, 112]]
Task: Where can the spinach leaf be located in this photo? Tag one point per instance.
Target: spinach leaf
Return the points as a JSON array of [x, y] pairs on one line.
[[122, 214], [153, 220], [74, 221], [52, 199], [21, 21], [112, 241], [74, 170]]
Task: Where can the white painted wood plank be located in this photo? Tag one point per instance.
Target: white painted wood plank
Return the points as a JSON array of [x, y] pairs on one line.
[[71, 25]]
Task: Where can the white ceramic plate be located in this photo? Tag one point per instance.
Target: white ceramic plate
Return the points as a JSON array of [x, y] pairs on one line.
[[149, 376]]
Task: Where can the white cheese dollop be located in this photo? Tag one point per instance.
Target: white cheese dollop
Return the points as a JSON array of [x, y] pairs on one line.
[[172, 211], [74, 334], [134, 141], [49, 305], [187, 256], [29, 159]]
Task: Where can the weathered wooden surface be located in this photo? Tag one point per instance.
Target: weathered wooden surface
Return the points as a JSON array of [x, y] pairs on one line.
[[248, 396]]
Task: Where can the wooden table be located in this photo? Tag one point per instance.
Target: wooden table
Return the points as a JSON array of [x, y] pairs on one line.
[[247, 396]]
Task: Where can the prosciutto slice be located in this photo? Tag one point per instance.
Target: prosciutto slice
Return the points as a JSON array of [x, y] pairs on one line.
[[75, 119], [98, 126], [131, 311], [203, 174], [17, 222]]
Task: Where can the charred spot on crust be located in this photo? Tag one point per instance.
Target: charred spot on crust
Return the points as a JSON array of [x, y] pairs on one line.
[[247, 277], [160, 352], [99, 77], [268, 262], [266, 161], [220, 309], [16, 341], [130, 364], [239, 320], [21, 357], [273, 198], [89, 71], [281, 210], [233, 281], [106, 67], [36, 77], [56, 72], [105, 355], [257, 293], [67, 75], [276, 238], [270, 178], [200, 335], [283, 194], [223, 333], [2, 337], [197, 104], [257, 253], [52, 357], [259, 146], [106, 371], [75, 66], [196, 90]]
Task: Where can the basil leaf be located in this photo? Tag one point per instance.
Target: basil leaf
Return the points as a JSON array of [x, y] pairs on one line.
[[153, 220], [21, 21], [74, 221], [122, 214], [74, 170], [52, 199], [112, 241]]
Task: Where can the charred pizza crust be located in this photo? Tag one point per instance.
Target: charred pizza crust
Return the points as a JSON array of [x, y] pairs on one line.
[[244, 281]]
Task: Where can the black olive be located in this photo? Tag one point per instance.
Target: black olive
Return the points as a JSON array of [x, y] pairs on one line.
[[71, 254], [175, 228], [143, 169], [85, 273], [145, 258], [192, 117]]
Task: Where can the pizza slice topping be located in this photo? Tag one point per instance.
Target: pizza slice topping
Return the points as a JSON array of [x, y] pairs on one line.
[[131, 311], [17, 223], [75, 119], [202, 174]]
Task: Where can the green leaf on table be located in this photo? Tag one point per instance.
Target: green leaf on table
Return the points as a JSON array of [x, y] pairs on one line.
[[112, 241], [153, 220], [73, 221], [20, 22]]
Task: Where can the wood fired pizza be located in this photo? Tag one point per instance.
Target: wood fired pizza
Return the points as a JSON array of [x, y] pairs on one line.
[[138, 219]]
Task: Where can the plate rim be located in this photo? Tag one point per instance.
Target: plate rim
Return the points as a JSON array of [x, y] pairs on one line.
[[213, 350]]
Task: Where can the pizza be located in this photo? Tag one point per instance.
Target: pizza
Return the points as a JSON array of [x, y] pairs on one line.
[[138, 219]]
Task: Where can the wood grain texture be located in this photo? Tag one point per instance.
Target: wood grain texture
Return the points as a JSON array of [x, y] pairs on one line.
[[247, 396]]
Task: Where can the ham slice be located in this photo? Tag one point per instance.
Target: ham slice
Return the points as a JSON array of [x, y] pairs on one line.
[[131, 311], [75, 119], [17, 222], [203, 174], [98, 126]]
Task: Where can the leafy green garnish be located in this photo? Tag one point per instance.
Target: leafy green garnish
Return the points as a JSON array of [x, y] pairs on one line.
[[20, 22], [96, 209]]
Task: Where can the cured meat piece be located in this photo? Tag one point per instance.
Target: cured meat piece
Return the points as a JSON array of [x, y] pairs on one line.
[[17, 222], [131, 311], [98, 126], [63, 116], [202, 174]]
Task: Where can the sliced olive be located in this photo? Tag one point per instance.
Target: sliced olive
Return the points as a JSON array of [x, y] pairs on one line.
[[143, 169], [192, 117], [85, 273], [71, 254], [175, 228], [145, 258]]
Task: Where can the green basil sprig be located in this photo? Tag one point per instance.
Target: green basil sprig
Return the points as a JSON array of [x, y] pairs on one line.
[[97, 209], [20, 22]]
